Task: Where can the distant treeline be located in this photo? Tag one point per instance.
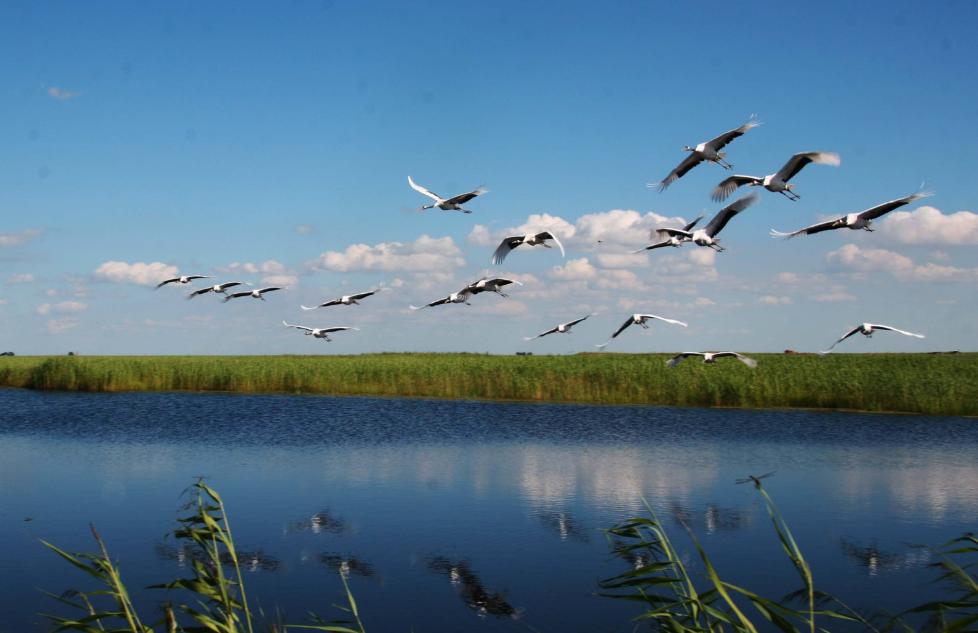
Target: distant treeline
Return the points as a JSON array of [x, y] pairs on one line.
[[910, 383]]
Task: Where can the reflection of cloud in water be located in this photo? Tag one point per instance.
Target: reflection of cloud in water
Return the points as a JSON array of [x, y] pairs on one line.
[[876, 561], [321, 522], [930, 492], [713, 518], [470, 589], [348, 565], [564, 525], [248, 561]]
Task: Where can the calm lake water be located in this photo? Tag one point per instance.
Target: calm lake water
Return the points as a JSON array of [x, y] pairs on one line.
[[430, 507]]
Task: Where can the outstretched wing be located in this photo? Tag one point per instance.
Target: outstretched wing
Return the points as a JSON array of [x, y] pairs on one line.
[[269, 289], [192, 277], [651, 246], [886, 207], [893, 329], [433, 303], [199, 292], [501, 281], [298, 327], [576, 321], [847, 335], [652, 316], [167, 281], [231, 284], [730, 185], [798, 161], [547, 235], [815, 228], [675, 360], [688, 163], [421, 189], [720, 219], [617, 332], [235, 295], [324, 305], [689, 227], [539, 335], [462, 198], [750, 362], [658, 234], [505, 247], [721, 141], [338, 329]]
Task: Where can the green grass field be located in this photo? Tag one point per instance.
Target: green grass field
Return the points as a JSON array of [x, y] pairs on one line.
[[910, 383]]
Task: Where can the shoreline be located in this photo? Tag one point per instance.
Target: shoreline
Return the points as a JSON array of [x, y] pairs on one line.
[[873, 383]]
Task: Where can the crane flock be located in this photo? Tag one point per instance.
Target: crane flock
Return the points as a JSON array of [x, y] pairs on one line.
[[708, 152]]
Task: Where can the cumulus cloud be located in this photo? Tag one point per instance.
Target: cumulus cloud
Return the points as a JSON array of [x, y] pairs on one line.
[[852, 257], [305, 229], [935, 272], [940, 256], [574, 270], [831, 297], [616, 228], [64, 306], [771, 300], [138, 273], [280, 280], [423, 254], [275, 273], [21, 278], [21, 237], [56, 326], [927, 225], [58, 93]]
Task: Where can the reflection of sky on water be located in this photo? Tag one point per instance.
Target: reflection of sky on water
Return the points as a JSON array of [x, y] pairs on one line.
[[503, 500]]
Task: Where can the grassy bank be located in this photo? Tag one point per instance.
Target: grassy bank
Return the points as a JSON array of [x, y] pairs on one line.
[[911, 383]]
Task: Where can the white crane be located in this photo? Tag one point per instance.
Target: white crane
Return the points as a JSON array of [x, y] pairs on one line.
[[455, 297], [856, 221], [448, 204], [218, 289], [867, 329], [346, 299], [513, 241], [639, 319], [711, 358], [257, 294], [185, 279], [320, 332], [708, 151], [491, 285], [707, 236], [563, 328], [675, 241], [776, 183]]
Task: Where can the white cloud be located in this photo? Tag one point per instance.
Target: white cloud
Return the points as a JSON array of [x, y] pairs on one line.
[[22, 278], [702, 302], [771, 300], [832, 297], [928, 225], [280, 280], [56, 326], [852, 257], [139, 273], [935, 272], [64, 306], [940, 256], [573, 270], [424, 254], [617, 228], [267, 267], [21, 237], [58, 93], [305, 229], [622, 260]]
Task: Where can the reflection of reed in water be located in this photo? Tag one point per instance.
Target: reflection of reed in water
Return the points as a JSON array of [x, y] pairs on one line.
[[470, 588], [253, 560], [713, 518], [349, 566], [564, 525], [322, 521]]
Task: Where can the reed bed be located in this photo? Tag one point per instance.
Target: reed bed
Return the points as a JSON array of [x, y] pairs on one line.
[[908, 383]]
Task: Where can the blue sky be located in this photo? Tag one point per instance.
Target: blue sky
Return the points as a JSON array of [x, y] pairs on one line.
[[197, 136]]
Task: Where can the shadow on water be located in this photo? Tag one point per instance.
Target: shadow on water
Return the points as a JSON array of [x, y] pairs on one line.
[[874, 561], [470, 589], [564, 525], [349, 566], [322, 521], [249, 560], [714, 518]]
